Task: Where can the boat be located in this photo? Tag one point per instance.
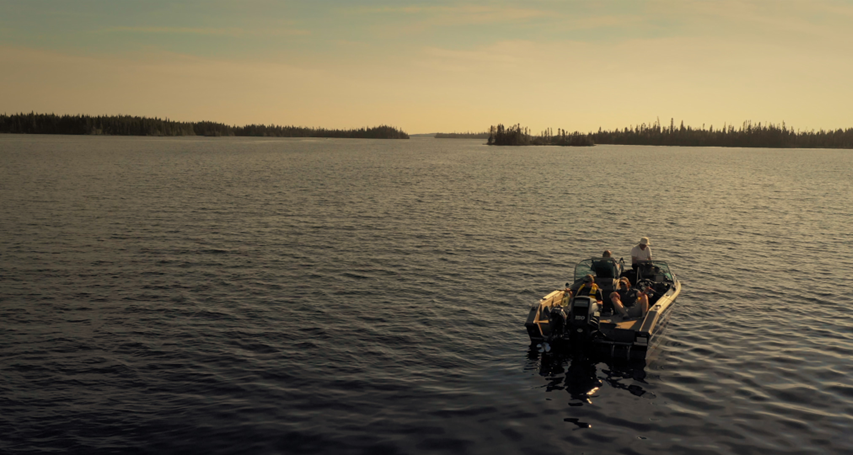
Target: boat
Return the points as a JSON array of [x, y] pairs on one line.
[[558, 321]]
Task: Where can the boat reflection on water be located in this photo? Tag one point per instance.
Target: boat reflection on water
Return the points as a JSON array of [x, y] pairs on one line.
[[583, 377]]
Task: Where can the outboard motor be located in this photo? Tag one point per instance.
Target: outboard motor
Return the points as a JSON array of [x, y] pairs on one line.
[[557, 322], [583, 319]]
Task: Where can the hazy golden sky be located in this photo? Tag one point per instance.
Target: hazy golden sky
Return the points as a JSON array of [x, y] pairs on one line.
[[433, 66]]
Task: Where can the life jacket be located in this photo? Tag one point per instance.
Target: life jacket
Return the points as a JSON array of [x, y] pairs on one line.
[[590, 291], [567, 297]]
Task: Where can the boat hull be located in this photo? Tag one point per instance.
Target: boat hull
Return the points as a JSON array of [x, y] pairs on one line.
[[614, 338]]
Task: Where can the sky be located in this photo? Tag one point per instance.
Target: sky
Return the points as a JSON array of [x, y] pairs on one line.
[[433, 66]]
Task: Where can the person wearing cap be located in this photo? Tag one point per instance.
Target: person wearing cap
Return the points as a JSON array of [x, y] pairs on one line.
[[629, 302], [641, 252], [586, 286]]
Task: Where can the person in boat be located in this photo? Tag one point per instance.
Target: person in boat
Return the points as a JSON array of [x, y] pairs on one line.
[[607, 254], [642, 252], [586, 286], [629, 302]]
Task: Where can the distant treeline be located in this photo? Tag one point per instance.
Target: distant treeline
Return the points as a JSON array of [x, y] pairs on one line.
[[468, 135], [125, 125], [747, 135], [518, 135]]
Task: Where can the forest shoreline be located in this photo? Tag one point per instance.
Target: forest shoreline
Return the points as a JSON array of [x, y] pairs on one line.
[[125, 125], [748, 135]]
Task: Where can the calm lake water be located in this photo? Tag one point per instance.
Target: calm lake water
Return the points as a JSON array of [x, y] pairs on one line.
[[236, 295]]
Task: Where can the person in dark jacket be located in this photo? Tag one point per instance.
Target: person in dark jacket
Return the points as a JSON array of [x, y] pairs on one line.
[[629, 302]]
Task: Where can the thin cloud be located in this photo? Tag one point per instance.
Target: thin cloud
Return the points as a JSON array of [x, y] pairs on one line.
[[205, 31], [812, 18], [500, 53], [548, 19], [469, 14], [578, 23]]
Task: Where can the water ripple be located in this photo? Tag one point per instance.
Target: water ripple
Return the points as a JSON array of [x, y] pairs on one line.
[[329, 296]]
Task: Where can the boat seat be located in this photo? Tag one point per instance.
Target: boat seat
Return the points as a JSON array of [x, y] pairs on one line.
[[605, 268], [607, 285]]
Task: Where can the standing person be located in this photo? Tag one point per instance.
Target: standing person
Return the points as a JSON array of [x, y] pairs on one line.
[[641, 252]]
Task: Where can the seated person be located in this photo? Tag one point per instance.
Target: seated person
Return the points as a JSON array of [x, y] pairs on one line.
[[608, 257], [586, 286], [629, 303]]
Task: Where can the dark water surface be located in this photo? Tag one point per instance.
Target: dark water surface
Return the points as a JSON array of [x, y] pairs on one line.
[[215, 295]]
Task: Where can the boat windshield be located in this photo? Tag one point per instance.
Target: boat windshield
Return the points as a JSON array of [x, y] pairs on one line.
[[662, 268], [606, 268], [583, 268], [598, 267]]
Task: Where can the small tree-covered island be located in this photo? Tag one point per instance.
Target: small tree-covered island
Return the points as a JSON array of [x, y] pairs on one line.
[[747, 135], [125, 125], [518, 135]]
